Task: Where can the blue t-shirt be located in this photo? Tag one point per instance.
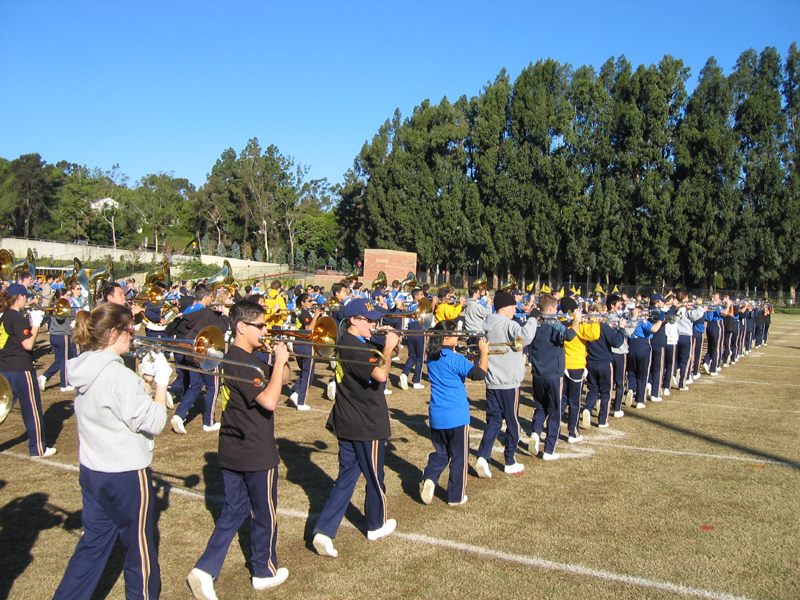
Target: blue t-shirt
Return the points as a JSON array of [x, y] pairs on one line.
[[449, 405]]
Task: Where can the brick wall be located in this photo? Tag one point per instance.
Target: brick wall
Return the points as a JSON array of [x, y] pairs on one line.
[[394, 263]]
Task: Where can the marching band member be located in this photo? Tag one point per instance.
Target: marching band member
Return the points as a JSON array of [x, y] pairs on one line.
[[658, 344], [714, 338], [548, 365], [195, 318], [449, 413], [275, 305], [360, 421], [340, 291], [599, 364], [476, 310], [248, 457], [670, 354], [63, 348], [117, 420], [17, 338], [503, 379], [415, 345], [575, 373], [619, 356], [640, 356], [305, 321], [730, 320], [685, 325]]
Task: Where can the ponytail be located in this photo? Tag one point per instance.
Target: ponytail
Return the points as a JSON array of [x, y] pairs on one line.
[[95, 330]]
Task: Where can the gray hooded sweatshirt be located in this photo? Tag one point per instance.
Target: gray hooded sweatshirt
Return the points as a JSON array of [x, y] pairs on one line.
[[507, 370], [116, 418]]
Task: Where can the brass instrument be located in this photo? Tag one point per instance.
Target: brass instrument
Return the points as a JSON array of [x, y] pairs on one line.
[[6, 259], [207, 349], [95, 282], [424, 308], [15, 268], [510, 285], [6, 398], [515, 346], [409, 283], [352, 277], [154, 277], [78, 274], [379, 281], [62, 309], [481, 283], [429, 332]]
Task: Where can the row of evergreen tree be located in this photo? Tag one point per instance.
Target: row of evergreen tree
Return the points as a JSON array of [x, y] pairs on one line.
[[620, 174]]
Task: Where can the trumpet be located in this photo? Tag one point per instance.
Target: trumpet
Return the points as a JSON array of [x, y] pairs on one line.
[[428, 332], [206, 349]]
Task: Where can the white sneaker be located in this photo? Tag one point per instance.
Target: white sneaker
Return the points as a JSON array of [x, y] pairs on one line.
[[202, 585], [324, 546], [685, 388], [387, 392], [418, 386], [628, 398], [293, 398], [553, 456], [714, 374], [602, 425], [689, 381], [533, 443], [648, 389], [303, 407], [640, 405], [69, 388], [514, 469], [665, 392], [575, 440], [386, 529], [463, 501], [618, 414], [586, 418], [395, 359], [262, 583], [177, 425], [482, 467], [706, 369], [675, 381], [214, 427], [170, 402], [332, 390], [404, 381], [48, 452], [654, 399], [428, 487], [42, 382]]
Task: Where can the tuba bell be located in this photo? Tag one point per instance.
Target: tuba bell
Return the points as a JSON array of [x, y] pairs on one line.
[[481, 283], [409, 283], [510, 285], [379, 281], [26, 264], [352, 277], [158, 276], [6, 260], [78, 274], [96, 280]]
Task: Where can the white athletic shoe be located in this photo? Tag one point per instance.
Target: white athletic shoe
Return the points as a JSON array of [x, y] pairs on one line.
[[303, 407], [214, 427], [418, 386], [665, 392], [403, 381], [428, 487], [714, 374], [177, 425], [533, 443], [514, 469], [293, 398], [324, 546], [386, 529], [387, 392], [654, 399], [648, 389], [706, 369], [202, 585], [42, 382], [170, 401], [685, 388], [603, 425], [628, 398], [48, 452], [575, 440], [463, 501], [618, 414], [69, 388], [553, 456], [262, 583], [332, 390], [675, 381], [640, 405], [586, 418], [482, 467]]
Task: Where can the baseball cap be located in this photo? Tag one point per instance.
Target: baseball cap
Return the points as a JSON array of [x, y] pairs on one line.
[[656, 298], [377, 294], [517, 292], [361, 307], [15, 289]]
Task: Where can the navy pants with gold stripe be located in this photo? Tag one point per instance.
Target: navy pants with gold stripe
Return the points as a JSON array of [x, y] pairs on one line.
[[451, 446], [355, 458], [25, 388], [246, 492], [114, 504], [547, 394], [501, 405]]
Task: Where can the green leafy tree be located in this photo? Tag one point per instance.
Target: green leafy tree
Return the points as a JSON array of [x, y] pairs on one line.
[[158, 201], [28, 193]]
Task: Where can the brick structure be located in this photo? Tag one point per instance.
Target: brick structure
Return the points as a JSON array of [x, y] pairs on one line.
[[394, 263]]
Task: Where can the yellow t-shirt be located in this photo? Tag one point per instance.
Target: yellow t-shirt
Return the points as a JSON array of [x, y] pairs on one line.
[[575, 349]]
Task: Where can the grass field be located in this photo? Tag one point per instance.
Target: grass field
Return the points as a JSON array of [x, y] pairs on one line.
[[697, 496]]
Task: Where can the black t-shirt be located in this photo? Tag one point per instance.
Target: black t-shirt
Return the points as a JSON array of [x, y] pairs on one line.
[[729, 324], [360, 412], [14, 329], [247, 433], [303, 321]]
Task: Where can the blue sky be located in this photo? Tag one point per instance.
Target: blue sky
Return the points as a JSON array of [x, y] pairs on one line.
[[169, 85]]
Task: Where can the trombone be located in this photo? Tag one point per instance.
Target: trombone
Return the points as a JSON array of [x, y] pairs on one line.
[[515, 346], [429, 332], [206, 349], [62, 309]]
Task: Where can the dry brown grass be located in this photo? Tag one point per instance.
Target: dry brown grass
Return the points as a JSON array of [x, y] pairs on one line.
[[699, 491]]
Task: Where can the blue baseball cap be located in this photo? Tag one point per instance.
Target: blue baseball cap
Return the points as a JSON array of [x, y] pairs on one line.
[[656, 298], [361, 307], [15, 289]]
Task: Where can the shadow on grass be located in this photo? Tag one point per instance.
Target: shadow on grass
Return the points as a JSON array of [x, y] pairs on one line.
[[54, 417], [718, 442]]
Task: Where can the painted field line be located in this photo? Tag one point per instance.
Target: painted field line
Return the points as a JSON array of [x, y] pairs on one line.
[[530, 561], [764, 383], [777, 463], [793, 412]]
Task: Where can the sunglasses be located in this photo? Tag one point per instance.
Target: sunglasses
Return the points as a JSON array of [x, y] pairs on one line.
[[258, 326], [366, 319]]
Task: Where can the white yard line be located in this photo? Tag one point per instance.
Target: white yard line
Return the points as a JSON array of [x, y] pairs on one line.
[[537, 563]]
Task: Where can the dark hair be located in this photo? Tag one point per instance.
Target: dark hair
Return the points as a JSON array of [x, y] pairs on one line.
[[436, 341], [59, 293], [201, 291], [336, 288], [23, 275], [275, 285], [108, 290], [94, 329], [303, 298], [473, 290], [244, 312], [7, 301]]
